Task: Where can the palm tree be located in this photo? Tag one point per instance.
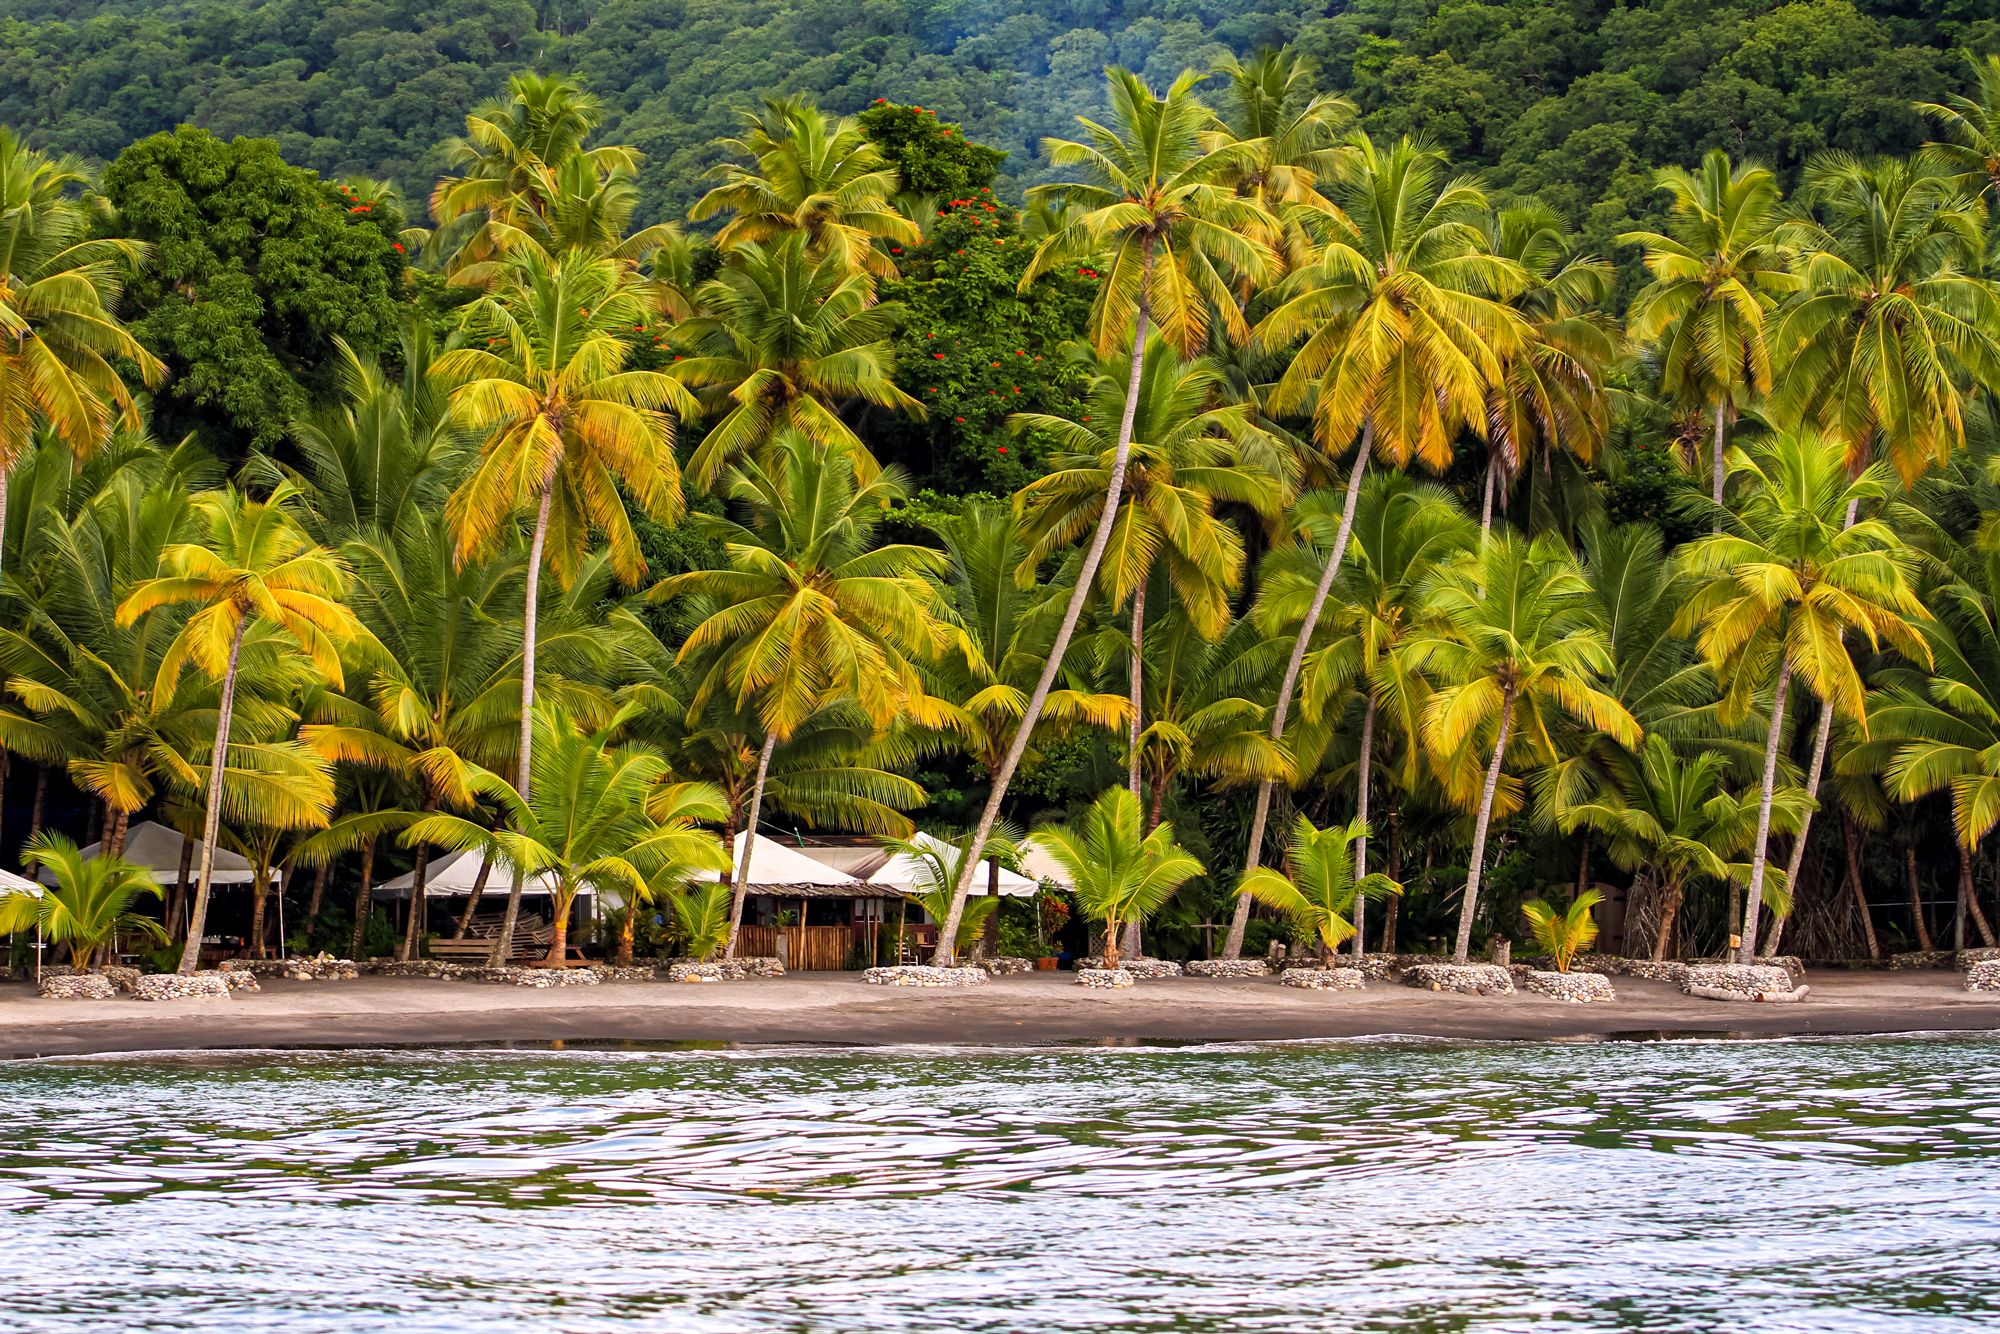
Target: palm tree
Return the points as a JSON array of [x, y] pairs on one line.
[[1186, 453], [817, 177], [1119, 872], [1893, 317], [1322, 888], [789, 338], [1403, 531], [566, 431], [1774, 598], [810, 611], [602, 819], [90, 903], [59, 291], [1971, 129], [1293, 133], [1159, 209], [1552, 396], [255, 569], [1671, 817], [1518, 646], [1563, 934], [1716, 271], [1403, 338]]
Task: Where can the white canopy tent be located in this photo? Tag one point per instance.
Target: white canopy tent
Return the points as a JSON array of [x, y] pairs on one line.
[[157, 848], [1035, 859], [454, 876], [19, 884], [777, 869], [907, 874]]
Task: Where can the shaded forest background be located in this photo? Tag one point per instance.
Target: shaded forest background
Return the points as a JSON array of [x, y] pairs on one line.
[[1573, 101]]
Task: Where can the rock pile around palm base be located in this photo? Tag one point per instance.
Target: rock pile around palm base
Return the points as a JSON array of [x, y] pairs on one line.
[[1228, 968], [1467, 979], [1576, 988], [1007, 965], [183, 986], [922, 975], [1324, 979], [1106, 979], [1983, 975], [76, 986], [1742, 982]]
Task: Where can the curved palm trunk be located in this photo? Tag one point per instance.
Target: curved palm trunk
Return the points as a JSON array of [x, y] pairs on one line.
[[1753, 901], [1462, 952], [1853, 847], [472, 902], [1822, 738], [503, 943], [1916, 887], [1968, 904], [1261, 814], [218, 760], [741, 889], [413, 924], [1111, 931], [1093, 557], [1361, 813], [1670, 907], [1138, 689], [364, 899]]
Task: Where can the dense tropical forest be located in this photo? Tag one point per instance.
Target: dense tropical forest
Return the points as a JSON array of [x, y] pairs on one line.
[[1464, 462]]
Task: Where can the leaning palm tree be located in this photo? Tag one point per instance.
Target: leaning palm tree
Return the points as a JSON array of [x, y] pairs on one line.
[[601, 818], [1716, 272], [1187, 454], [565, 431], [1517, 644], [810, 612], [1404, 334], [813, 175], [787, 339], [1775, 596], [1119, 872], [1160, 211], [1321, 889], [1970, 129], [91, 902], [59, 289], [254, 569]]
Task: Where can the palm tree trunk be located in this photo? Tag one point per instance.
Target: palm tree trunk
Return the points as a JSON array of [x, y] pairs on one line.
[[1111, 930], [114, 838], [558, 954], [1968, 904], [1261, 813], [1670, 908], [472, 901], [627, 930], [503, 943], [1853, 846], [1362, 768], [1753, 900], [741, 889], [318, 896], [260, 898], [364, 898], [1923, 927], [419, 876], [1138, 680], [1093, 557], [218, 761], [1486, 498], [1463, 950], [1390, 910], [41, 805], [1822, 738], [1718, 476]]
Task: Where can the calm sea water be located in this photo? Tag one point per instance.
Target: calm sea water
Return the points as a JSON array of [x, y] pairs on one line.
[[1710, 1185]]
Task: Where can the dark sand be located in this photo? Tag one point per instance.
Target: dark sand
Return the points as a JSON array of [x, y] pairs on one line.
[[840, 1009]]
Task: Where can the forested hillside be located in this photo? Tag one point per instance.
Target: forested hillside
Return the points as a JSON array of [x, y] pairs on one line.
[[1575, 101]]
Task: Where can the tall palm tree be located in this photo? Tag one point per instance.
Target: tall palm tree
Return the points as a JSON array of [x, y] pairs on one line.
[[810, 611], [1323, 887], [566, 431], [1517, 645], [1970, 126], [818, 177], [1403, 532], [1295, 132], [59, 290], [1552, 396], [1160, 211], [254, 568], [1187, 453], [1404, 334], [1775, 596], [603, 818], [788, 338], [1716, 272], [1119, 872]]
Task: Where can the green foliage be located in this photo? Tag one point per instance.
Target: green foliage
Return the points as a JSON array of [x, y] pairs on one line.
[[1563, 935], [930, 156], [258, 267]]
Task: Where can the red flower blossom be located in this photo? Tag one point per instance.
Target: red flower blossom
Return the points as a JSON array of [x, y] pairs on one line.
[[1003, 449]]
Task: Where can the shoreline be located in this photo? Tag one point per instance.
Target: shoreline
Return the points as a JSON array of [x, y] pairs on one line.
[[837, 1010]]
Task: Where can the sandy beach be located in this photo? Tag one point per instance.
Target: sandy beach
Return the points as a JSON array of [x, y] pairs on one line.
[[840, 1009]]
